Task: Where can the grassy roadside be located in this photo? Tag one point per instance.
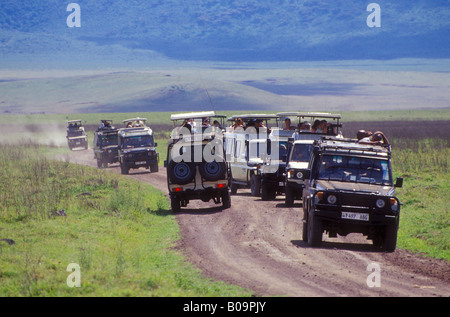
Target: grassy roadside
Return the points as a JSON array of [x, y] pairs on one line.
[[119, 231], [425, 214]]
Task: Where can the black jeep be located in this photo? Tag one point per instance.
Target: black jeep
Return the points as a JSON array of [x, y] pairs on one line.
[[106, 148], [196, 164], [349, 188], [137, 147]]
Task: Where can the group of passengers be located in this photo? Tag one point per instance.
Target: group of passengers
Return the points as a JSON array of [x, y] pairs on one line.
[[319, 126], [191, 124], [253, 123], [367, 137]]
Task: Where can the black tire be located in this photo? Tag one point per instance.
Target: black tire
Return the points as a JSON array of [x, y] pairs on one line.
[[175, 203], [181, 173], [124, 169], [314, 226], [154, 168], [212, 171], [255, 185], [290, 195], [390, 239], [226, 200], [305, 221], [233, 188]]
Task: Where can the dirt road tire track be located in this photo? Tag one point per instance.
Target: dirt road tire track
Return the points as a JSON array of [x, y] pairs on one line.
[[257, 245]]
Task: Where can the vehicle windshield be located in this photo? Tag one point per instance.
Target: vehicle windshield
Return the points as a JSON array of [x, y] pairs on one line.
[[355, 169], [108, 140], [137, 141], [283, 147], [73, 133], [301, 153]]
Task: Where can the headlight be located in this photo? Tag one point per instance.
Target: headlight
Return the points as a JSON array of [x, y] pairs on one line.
[[394, 204], [319, 195], [380, 203], [332, 199], [299, 175]]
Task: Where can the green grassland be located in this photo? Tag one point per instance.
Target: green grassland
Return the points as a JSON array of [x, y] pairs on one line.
[[120, 231]]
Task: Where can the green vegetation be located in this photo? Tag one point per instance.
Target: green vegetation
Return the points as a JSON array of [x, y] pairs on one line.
[[425, 215], [118, 230]]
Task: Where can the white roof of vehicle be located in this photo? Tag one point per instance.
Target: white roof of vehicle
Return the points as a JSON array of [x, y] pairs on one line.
[[253, 116], [309, 114], [192, 115]]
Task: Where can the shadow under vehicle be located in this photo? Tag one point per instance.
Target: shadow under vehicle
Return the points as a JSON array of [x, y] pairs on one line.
[[106, 147], [349, 188], [76, 136], [196, 165], [137, 148]]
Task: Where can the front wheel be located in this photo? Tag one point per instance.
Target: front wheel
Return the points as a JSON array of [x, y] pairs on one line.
[[124, 169], [289, 198], [314, 226]]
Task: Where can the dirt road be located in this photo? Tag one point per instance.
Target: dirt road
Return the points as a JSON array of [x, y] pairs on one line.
[[257, 245]]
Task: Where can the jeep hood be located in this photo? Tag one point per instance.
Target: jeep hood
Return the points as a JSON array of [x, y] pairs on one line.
[[356, 187]]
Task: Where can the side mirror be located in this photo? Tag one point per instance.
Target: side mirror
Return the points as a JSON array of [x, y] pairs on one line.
[[156, 144], [399, 182]]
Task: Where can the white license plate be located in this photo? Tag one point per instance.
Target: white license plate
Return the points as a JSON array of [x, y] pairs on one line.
[[355, 216], [141, 163]]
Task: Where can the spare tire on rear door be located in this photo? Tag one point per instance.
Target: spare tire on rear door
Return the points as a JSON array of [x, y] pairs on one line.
[[213, 171], [181, 173]]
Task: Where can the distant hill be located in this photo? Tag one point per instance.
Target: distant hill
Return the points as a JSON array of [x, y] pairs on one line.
[[136, 32]]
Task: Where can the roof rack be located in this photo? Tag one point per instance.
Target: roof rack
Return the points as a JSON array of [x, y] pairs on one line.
[[352, 146]]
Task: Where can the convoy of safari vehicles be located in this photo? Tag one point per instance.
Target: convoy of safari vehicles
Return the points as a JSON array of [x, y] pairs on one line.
[[345, 185]]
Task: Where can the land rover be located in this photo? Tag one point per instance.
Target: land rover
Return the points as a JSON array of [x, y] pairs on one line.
[[196, 164], [137, 148], [106, 148], [76, 136], [349, 188]]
